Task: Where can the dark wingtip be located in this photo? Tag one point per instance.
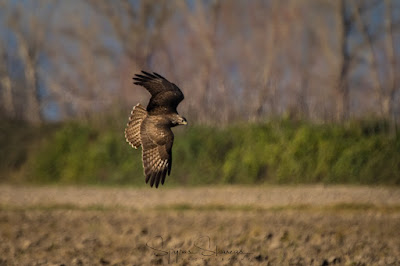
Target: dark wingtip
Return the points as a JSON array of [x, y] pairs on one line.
[[148, 74], [152, 179], [158, 75], [158, 177], [140, 78], [163, 175], [145, 72]]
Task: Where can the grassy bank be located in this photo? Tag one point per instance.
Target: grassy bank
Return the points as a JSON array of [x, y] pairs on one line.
[[277, 152]]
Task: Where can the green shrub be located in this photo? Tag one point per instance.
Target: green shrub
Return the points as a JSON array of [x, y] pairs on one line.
[[277, 152]]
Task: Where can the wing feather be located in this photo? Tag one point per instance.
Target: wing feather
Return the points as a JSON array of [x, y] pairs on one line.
[[165, 96], [132, 130], [156, 153]]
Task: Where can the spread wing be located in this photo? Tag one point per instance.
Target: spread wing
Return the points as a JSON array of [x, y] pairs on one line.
[[165, 96], [157, 157]]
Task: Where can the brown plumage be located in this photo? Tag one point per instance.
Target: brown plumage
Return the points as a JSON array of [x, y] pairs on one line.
[[151, 127]]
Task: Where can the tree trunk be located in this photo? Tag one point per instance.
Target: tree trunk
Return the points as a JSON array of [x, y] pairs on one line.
[[393, 85], [7, 96], [32, 110], [342, 111]]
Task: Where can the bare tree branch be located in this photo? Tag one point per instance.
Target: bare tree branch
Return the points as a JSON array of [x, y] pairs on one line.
[[5, 85], [393, 84], [379, 90]]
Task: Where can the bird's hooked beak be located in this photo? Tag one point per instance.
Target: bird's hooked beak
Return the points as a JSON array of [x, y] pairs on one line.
[[184, 121]]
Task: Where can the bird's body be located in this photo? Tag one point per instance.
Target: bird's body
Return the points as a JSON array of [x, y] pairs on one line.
[[151, 127]]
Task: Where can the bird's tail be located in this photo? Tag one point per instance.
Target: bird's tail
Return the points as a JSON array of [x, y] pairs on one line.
[[132, 131]]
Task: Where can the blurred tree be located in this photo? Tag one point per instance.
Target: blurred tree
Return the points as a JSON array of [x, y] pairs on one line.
[[29, 45], [343, 102], [28, 32], [137, 26], [80, 75], [201, 27], [394, 76], [385, 83], [234, 60], [7, 97]]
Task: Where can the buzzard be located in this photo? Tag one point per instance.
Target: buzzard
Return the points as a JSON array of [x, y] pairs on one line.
[[151, 127]]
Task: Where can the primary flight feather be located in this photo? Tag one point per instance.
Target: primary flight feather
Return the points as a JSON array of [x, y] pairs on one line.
[[151, 127]]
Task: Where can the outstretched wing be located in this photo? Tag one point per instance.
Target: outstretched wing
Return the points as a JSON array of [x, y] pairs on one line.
[[156, 152], [132, 130], [165, 96]]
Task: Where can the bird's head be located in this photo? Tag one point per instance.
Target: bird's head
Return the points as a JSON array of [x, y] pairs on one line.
[[178, 120]]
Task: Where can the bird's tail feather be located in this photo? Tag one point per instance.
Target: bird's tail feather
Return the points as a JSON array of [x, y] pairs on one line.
[[132, 131]]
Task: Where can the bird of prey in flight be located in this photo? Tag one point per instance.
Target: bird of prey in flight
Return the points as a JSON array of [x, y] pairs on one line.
[[151, 127]]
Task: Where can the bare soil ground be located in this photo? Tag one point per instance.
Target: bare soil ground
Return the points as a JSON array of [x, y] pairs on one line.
[[307, 225]]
